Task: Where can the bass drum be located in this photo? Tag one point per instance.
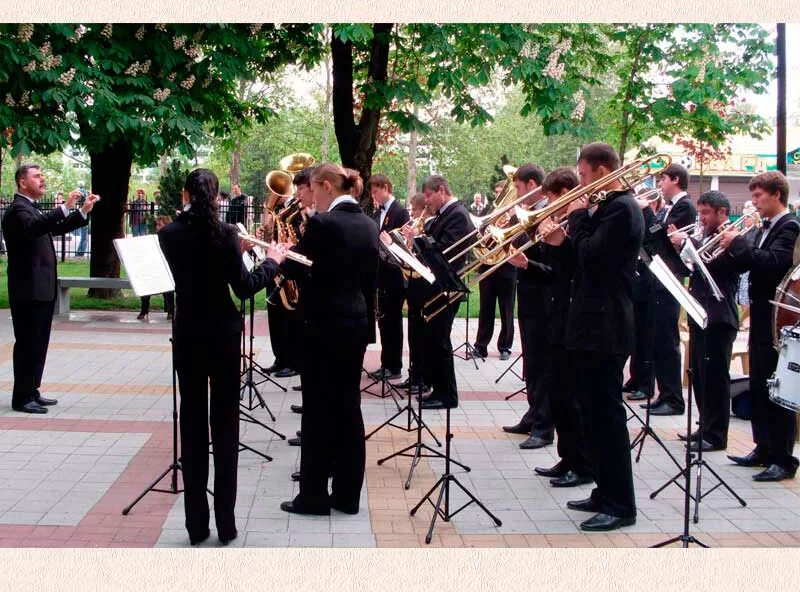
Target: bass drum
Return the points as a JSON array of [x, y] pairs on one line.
[[787, 294], [784, 386]]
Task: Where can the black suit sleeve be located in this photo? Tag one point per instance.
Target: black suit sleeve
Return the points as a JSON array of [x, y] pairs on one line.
[[772, 261], [682, 214], [243, 282], [593, 243], [456, 228], [29, 224]]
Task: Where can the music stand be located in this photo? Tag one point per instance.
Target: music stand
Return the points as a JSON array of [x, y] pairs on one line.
[[149, 274]]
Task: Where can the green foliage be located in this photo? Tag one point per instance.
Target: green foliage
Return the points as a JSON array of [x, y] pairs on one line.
[[170, 185], [151, 87]]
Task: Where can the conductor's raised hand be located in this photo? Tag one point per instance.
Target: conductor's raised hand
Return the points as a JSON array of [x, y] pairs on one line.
[[73, 198], [87, 206]]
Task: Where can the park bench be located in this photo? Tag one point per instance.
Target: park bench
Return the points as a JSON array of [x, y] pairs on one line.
[[65, 283]]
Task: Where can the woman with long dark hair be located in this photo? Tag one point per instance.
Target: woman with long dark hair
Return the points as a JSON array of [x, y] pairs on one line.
[[205, 258]]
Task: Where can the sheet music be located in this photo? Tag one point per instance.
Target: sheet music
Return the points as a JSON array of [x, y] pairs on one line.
[[681, 294], [690, 254], [144, 261], [411, 261]]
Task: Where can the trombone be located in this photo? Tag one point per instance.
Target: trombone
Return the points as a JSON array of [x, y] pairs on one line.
[[711, 250], [629, 176]]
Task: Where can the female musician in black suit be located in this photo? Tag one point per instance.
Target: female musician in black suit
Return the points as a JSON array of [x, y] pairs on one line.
[[205, 258], [337, 296]]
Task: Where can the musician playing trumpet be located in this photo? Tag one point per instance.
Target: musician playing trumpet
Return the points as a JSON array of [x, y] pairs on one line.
[[767, 259], [711, 356]]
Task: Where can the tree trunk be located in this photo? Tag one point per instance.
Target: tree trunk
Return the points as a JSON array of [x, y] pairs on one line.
[[111, 171], [358, 143], [162, 164], [236, 157], [411, 182], [326, 125]]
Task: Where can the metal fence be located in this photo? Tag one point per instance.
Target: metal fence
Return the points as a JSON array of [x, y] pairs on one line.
[[138, 219]]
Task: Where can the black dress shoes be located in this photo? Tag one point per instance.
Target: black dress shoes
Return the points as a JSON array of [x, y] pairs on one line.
[[517, 429], [605, 522], [773, 473], [271, 369], [571, 479], [638, 396], [505, 355], [294, 441], [695, 436], [384, 374], [558, 470], [666, 408], [285, 373], [584, 505], [296, 408], [296, 476], [225, 539], [30, 407], [431, 403], [406, 384], [196, 539], [44, 401], [344, 508], [534, 442], [293, 507], [752, 459], [706, 446], [298, 388], [629, 387]]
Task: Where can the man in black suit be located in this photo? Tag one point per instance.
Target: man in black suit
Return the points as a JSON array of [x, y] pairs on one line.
[[599, 334], [452, 223], [535, 276], [767, 259], [573, 468], [389, 215], [711, 349], [338, 303], [236, 207], [32, 278], [678, 212], [498, 289]]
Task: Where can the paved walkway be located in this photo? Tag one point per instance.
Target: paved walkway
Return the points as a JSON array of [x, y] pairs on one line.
[[69, 474]]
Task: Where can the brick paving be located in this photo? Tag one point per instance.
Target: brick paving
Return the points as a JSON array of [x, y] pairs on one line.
[[68, 474]]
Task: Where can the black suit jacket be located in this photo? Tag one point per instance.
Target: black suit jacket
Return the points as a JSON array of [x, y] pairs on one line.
[[607, 247], [390, 276], [681, 214], [449, 227], [204, 272], [31, 255], [236, 207], [534, 283], [338, 291], [725, 275], [767, 265]]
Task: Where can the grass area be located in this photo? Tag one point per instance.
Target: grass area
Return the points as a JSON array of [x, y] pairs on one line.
[[129, 301]]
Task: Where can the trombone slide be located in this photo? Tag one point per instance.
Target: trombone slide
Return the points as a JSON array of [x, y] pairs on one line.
[[291, 255]]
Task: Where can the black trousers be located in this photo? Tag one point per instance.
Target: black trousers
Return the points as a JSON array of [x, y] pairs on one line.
[[667, 348], [390, 325], [32, 321], [419, 367], [711, 380], [169, 303], [536, 362], [598, 387], [498, 289], [439, 351], [285, 334], [641, 365], [332, 425], [774, 427], [565, 411], [202, 363]]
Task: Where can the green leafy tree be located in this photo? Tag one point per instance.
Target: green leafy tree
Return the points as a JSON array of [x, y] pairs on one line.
[[170, 186], [130, 92], [671, 79], [381, 71]]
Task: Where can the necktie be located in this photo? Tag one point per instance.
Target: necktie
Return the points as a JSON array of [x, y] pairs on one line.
[[766, 224]]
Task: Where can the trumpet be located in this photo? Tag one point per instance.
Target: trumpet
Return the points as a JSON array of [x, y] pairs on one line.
[[632, 174], [711, 249], [290, 255], [692, 229]]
